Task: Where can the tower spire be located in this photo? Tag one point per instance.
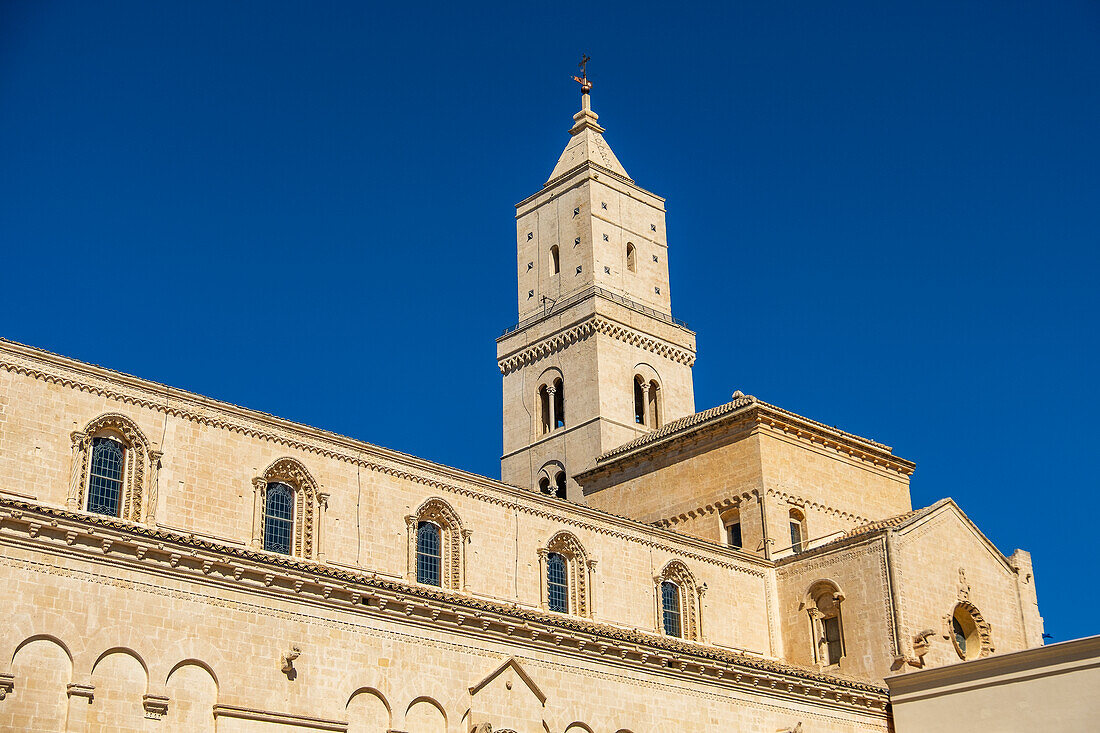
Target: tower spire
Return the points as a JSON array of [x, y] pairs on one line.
[[586, 118]]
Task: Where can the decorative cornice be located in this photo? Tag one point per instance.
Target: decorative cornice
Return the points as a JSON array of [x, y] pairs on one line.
[[186, 557], [729, 502], [594, 324], [110, 384]]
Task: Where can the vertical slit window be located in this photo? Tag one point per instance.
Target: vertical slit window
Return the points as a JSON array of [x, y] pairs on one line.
[[428, 554], [557, 583], [733, 535], [555, 260], [559, 404], [832, 640], [797, 532], [670, 608], [639, 403], [278, 518], [105, 479]]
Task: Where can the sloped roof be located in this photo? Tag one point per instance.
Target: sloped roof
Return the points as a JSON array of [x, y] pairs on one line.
[[586, 145], [698, 419]]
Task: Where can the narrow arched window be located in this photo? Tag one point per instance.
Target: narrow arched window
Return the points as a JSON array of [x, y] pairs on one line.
[[105, 476], [428, 554], [654, 405], [544, 484], [557, 583], [798, 531], [826, 623], [555, 261], [544, 410], [559, 485], [559, 404], [639, 401], [278, 518], [631, 257], [731, 520], [670, 608]]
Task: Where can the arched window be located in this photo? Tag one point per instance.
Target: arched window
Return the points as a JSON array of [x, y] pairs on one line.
[[544, 409], [278, 518], [437, 546], [287, 505], [105, 476], [654, 405], [560, 485], [639, 401], [428, 554], [731, 523], [544, 484], [678, 598], [555, 262], [567, 571], [823, 602], [631, 258], [559, 404], [670, 608], [557, 583], [798, 531]]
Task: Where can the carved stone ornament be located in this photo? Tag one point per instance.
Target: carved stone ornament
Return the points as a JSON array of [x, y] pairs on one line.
[[679, 574], [136, 450], [7, 684], [292, 473], [440, 513], [577, 569], [155, 706]]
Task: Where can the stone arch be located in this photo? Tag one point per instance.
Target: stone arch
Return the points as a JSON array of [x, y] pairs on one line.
[[822, 602], [549, 401], [453, 535], [648, 404], [578, 727], [120, 680], [41, 668], [552, 479], [308, 501], [425, 715], [368, 711], [691, 592], [980, 631], [579, 571], [192, 690], [138, 494]]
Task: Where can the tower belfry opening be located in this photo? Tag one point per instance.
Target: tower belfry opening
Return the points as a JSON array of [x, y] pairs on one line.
[[594, 309]]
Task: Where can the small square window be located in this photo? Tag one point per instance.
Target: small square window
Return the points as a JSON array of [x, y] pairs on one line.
[[652, 227], [657, 290], [578, 269], [576, 241], [530, 265], [605, 238], [607, 269], [530, 235], [530, 294], [603, 204], [654, 258], [576, 211]]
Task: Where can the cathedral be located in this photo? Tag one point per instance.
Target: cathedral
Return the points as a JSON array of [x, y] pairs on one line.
[[171, 562]]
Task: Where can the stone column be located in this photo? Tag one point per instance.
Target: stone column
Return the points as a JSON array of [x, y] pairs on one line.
[[466, 535], [259, 486], [817, 634], [645, 405], [592, 588], [551, 390], [80, 444], [410, 571], [154, 486], [699, 613], [543, 553], [322, 515]]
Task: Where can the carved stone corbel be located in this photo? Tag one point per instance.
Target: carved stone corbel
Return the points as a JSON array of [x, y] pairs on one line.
[[155, 706], [7, 684]]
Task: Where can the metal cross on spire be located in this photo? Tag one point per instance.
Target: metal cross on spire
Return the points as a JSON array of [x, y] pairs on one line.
[[586, 86]]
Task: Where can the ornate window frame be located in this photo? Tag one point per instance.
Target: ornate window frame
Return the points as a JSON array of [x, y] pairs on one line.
[[310, 505], [981, 631], [139, 486], [580, 570], [691, 600], [454, 536], [827, 593]]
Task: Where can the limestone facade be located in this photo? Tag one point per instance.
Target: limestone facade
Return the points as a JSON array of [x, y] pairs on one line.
[[172, 562]]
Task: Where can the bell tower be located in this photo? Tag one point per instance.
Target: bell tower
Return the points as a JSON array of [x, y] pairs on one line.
[[596, 358]]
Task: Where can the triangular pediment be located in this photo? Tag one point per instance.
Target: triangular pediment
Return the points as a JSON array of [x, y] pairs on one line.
[[521, 673]]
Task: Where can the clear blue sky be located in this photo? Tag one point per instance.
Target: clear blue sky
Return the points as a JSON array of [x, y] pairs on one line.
[[885, 218]]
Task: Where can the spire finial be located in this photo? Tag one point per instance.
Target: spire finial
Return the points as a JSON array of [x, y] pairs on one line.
[[586, 86]]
